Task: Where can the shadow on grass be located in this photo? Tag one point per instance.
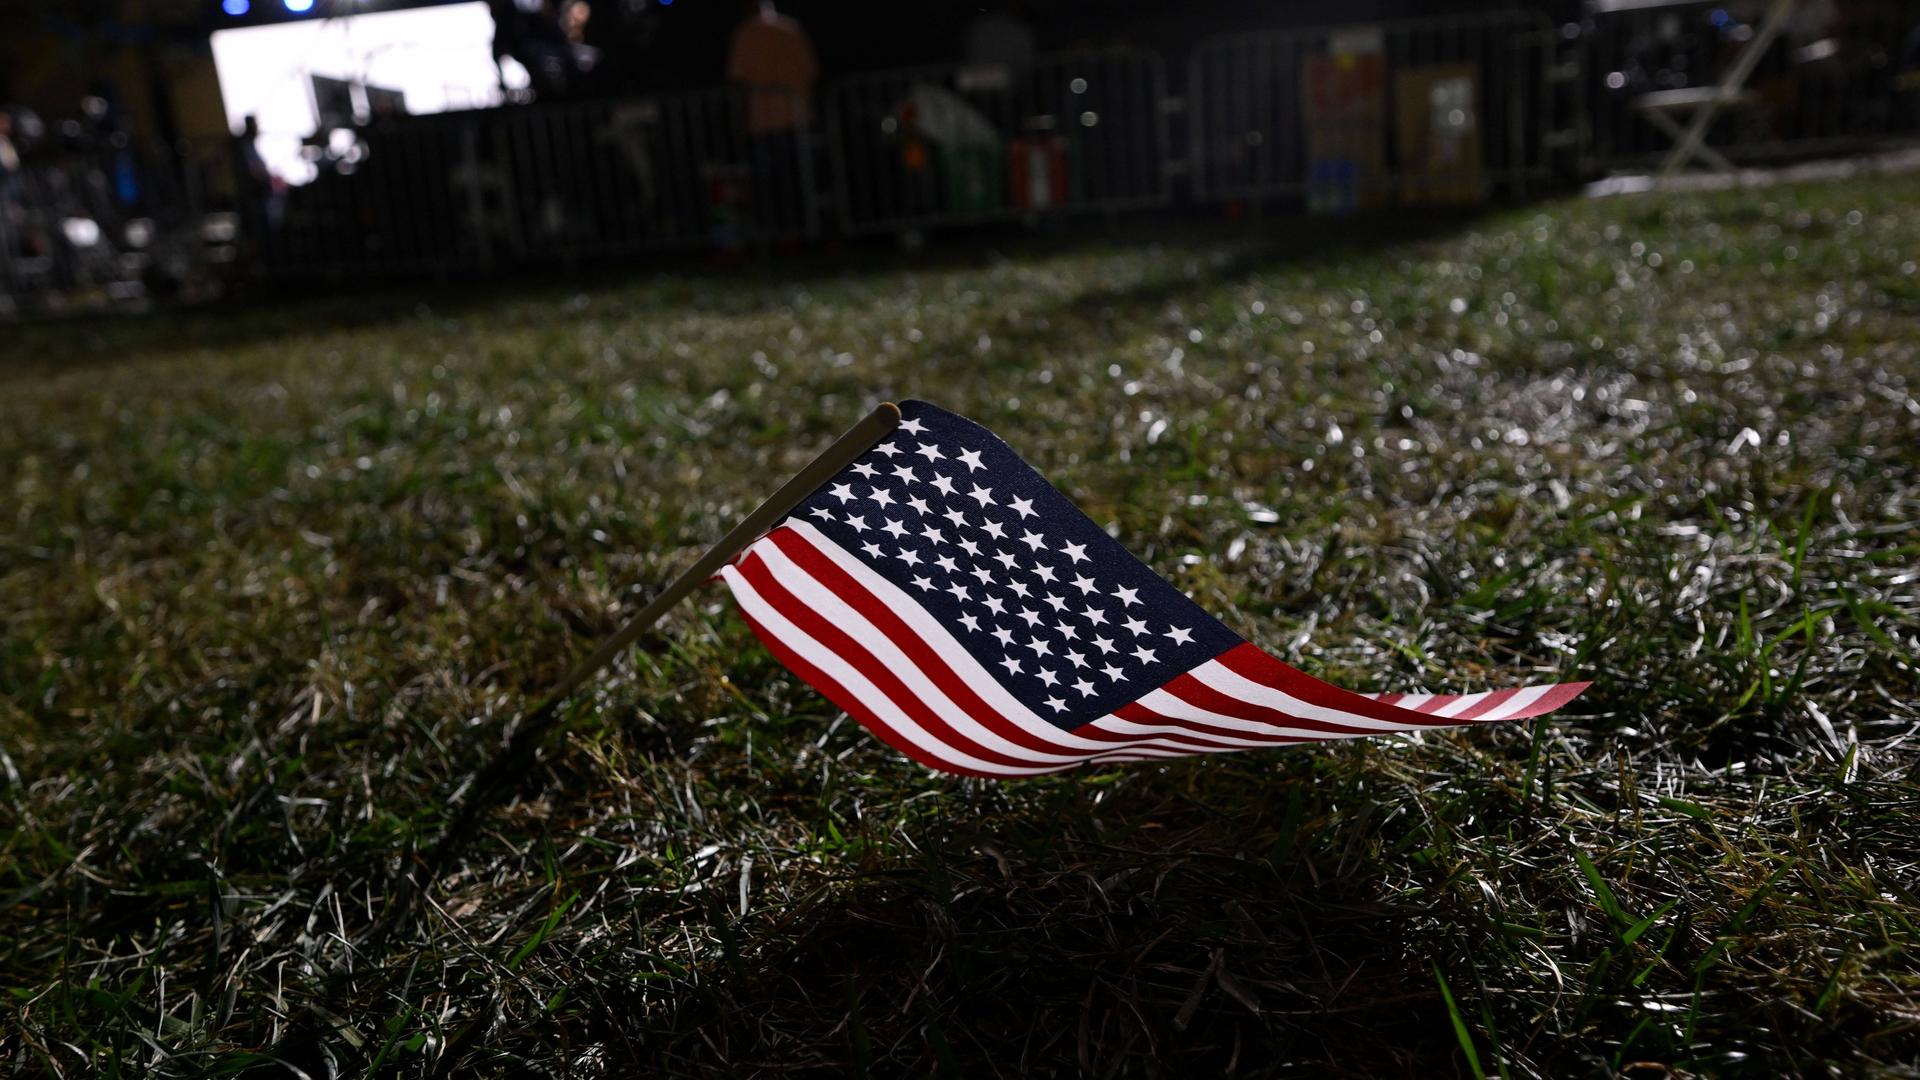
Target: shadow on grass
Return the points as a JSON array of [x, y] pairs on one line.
[[65, 344]]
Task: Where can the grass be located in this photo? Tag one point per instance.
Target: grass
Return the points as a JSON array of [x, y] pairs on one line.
[[274, 585]]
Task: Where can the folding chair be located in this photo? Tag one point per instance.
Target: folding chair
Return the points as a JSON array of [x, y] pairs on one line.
[[1703, 103]]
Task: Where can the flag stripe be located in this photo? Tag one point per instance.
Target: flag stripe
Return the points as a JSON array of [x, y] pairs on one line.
[[964, 737], [851, 690], [905, 658], [890, 610]]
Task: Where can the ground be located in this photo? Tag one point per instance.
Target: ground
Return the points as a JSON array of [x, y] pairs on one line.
[[275, 584]]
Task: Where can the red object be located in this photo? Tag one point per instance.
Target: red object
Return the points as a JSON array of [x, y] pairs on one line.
[[1037, 168]]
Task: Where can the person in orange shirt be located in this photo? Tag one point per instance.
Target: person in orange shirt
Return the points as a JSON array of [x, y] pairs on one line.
[[772, 59]]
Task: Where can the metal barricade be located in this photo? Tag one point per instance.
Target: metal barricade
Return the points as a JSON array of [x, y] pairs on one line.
[[723, 168], [1840, 78], [458, 192], [949, 144], [1424, 111]]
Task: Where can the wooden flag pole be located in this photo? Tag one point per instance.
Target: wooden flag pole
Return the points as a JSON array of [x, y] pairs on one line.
[[513, 757], [419, 875], [845, 450]]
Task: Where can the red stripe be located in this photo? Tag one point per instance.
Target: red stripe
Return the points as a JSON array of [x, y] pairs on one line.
[[843, 585], [819, 566], [820, 629], [1254, 664], [850, 704], [1142, 714], [1487, 704], [1552, 699], [1194, 692]]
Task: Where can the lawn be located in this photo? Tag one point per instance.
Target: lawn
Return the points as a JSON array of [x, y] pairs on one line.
[[275, 584]]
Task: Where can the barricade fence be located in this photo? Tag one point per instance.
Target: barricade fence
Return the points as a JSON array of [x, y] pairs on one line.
[[722, 169], [1418, 112], [958, 143], [1422, 112], [1838, 78]]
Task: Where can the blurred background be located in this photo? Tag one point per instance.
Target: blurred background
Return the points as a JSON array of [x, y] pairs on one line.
[[153, 150]]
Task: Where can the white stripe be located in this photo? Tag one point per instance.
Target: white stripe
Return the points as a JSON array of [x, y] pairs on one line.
[[1233, 684], [844, 673], [1117, 726], [855, 625], [1166, 704], [921, 622], [1521, 698], [1460, 704]]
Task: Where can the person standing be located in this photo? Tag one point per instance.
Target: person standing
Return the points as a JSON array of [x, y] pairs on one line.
[[772, 59]]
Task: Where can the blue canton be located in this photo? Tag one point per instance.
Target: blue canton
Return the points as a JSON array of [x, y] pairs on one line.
[[1062, 615]]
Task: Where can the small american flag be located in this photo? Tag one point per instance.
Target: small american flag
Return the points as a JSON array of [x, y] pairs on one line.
[[950, 599]]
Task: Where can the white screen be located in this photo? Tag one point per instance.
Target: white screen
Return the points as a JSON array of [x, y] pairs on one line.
[[440, 57]]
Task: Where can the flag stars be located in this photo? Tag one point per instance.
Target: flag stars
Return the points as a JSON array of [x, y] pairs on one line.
[[1084, 584], [912, 427], [894, 529], [858, 522], [1056, 704], [1034, 540], [872, 549], [970, 548], [1095, 615], [943, 484], [1057, 603], [1136, 627], [959, 591], [1113, 673], [1019, 588], [1006, 559], [909, 556], [843, 492], [905, 474], [995, 605], [881, 496], [1085, 688], [1047, 677], [1005, 635], [971, 459], [888, 448], [1105, 645], [930, 452], [1143, 654], [1066, 630], [1040, 646], [971, 622], [1128, 597], [1023, 507], [919, 504], [958, 519], [1044, 573], [1179, 635], [866, 469], [983, 496], [985, 575], [821, 512], [1032, 617], [1076, 552], [994, 530], [1011, 664], [945, 562], [924, 583], [933, 535], [1076, 658]]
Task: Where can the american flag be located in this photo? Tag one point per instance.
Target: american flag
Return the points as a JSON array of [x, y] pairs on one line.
[[942, 593]]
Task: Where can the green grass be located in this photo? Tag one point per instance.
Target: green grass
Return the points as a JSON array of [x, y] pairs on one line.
[[274, 585]]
